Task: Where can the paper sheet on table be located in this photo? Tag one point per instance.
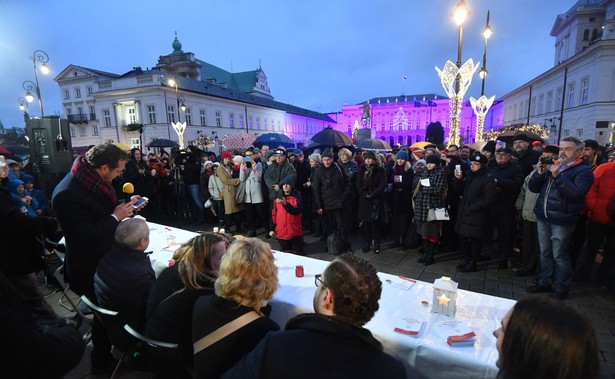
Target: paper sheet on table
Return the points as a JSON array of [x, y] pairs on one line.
[[425, 182], [410, 326], [455, 328], [401, 282]]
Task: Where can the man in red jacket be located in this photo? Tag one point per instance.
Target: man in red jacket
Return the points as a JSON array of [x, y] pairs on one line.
[[599, 204]]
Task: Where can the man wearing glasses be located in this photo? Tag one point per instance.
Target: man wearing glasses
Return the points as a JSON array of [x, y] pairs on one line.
[[331, 342]]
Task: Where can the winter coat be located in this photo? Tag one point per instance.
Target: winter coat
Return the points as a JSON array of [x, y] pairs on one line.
[[370, 192], [306, 347], [478, 196], [599, 199], [561, 198], [205, 194], [253, 177], [430, 197], [527, 160], [508, 181], [213, 312], [331, 187], [526, 201], [287, 218], [216, 187], [274, 175], [230, 186], [401, 193]]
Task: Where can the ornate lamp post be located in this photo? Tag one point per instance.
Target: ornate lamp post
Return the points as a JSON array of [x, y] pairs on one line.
[[42, 57], [482, 105], [458, 75], [179, 126]]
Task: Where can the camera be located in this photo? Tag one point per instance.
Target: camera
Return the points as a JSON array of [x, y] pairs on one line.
[[546, 160]]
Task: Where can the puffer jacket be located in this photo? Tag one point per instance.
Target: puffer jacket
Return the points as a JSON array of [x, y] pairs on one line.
[[561, 198], [287, 218], [600, 197]]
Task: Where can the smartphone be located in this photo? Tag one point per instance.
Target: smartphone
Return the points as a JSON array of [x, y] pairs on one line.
[[140, 202]]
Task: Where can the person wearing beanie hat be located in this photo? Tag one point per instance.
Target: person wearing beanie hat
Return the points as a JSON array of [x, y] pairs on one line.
[[297, 152], [232, 209], [286, 217], [473, 217], [431, 186], [370, 186], [278, 170], [508, 176], [401, 197], [226, 154], [527, 157], [327, 153], [537, 146], [489, 149], [369, 154], [269, 154]]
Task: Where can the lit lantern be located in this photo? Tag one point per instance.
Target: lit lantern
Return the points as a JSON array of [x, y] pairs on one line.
[[444, 296]]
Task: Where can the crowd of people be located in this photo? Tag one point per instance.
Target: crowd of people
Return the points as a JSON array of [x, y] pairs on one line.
[[436, 197]]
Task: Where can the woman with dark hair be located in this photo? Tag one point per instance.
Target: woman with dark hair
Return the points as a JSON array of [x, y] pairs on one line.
[[541, 338], [370, 184], [172, 297], [401, 197], [248, 279]]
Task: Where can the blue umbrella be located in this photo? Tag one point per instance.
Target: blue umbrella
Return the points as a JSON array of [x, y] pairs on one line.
[[273, 140]]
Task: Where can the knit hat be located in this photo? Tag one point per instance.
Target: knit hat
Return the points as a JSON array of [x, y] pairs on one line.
[[521, 137], [256, 150], [327, 153], [298, 152], [433, 159], [480, 159], [226, 154], [402, 154], [553, 149], [288, 180], [269, 154], [207, 163], [490, 147], [536, 143], [369, 154], [506, 150]]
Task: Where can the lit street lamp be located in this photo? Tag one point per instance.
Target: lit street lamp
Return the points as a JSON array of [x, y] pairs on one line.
[[460, 75], [179, 126], [42, 57], [23, 103], [482, 105]]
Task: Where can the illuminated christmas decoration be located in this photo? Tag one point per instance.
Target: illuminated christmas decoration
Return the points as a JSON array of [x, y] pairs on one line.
[[537, 129], [480, 108], [179, 128], [400, 121]]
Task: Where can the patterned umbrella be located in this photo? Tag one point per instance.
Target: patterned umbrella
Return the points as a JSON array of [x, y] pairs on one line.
[[238, 141]]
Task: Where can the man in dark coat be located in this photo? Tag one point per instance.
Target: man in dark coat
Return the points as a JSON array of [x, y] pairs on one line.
[[331, 190], [87, 208], [527, 157], [124, 278], [563, 185], [333, 341], [508, 178]]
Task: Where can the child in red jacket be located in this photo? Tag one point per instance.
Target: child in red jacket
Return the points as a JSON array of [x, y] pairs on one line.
[[286, 216]]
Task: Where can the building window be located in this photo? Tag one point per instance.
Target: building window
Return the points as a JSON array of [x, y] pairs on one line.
[[188, 117], [570, 95], [90, 91], [533, 111], [579, 132], [279, 126], [594, 34], [549, 101], [69, 111], [218, 119], [558, 99], [241, 121], [584, 91], [82, 131], [72, 132], [203, 115], [170, 113], [151, 114], [94, 130], [250, 122], [132, 116], [66, 94], [107, 118], [258, 123], [231, 120], [541, 100], [585, 34], [566, 133], [77, 93], [79, 111]]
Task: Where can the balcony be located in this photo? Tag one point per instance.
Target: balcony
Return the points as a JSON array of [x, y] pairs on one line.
[[81, 118]]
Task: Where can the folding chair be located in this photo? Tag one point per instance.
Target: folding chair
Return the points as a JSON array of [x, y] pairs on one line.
[[159, 354], [104, 315]]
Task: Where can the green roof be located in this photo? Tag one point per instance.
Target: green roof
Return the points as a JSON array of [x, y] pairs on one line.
[[240, 81]]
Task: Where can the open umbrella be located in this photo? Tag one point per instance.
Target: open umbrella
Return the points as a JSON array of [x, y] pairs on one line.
[[509, 136], [18, 149], [4, 151], [374, 144], [122, 146], [332, 137], [238, 141], [162, 142], [420, 145], [273, 140]]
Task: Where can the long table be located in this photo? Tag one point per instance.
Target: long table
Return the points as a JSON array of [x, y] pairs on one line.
[[429, 353]]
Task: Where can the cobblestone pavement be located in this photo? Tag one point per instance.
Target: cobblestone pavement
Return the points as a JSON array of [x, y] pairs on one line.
[[594, 301]]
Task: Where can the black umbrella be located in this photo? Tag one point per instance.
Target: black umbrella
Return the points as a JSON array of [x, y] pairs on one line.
[[18, 149], [273, 140], [309, 149], [162, 142], [374, 144], [509, 136], [332, 137]]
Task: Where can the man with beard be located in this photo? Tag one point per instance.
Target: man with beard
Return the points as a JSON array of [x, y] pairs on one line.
[[527, 157]]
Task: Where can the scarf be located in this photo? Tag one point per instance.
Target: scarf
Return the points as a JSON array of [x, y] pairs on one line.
[[91, 181]]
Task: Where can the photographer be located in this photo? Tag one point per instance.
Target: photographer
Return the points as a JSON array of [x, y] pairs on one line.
[[252, 174], [192, 178]]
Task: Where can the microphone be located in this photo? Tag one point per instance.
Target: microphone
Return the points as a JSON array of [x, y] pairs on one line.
[[128, 189]]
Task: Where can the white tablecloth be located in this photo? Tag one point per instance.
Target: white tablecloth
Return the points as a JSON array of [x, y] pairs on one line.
[[429, 353]]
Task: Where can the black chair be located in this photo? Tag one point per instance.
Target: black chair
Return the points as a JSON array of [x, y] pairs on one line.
[[163, 358], [107, 317]]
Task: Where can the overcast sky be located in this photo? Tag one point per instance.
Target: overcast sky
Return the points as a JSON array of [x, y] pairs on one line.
[[317, 54]]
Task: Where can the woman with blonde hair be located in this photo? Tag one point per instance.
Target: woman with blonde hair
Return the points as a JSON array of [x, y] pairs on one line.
[[171, 300], [248, 279]]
